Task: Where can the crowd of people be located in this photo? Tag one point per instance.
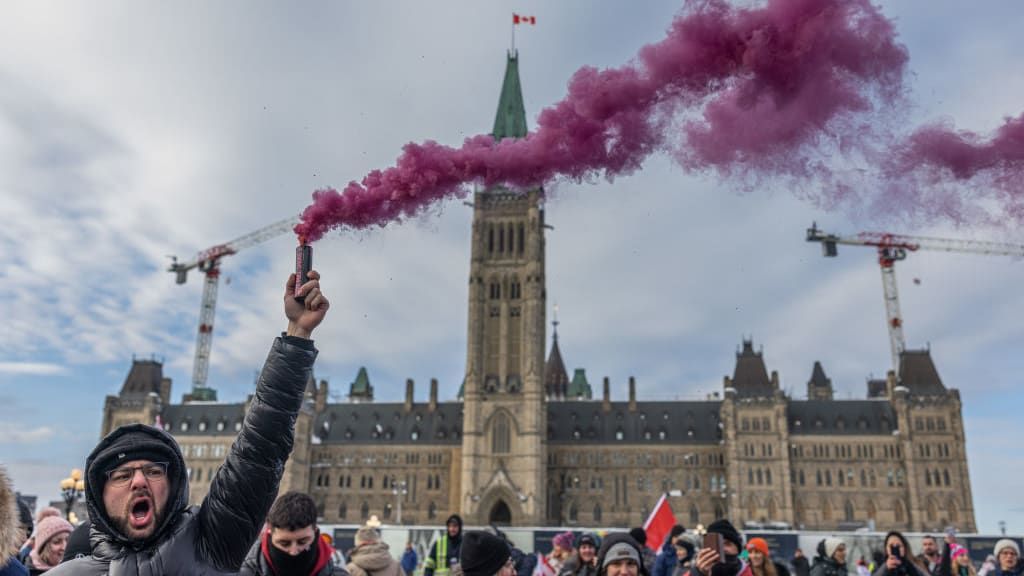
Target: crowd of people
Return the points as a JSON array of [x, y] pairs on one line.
[[140, 522]]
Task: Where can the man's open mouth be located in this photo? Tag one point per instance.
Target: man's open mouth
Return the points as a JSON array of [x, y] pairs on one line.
[[141, 513]]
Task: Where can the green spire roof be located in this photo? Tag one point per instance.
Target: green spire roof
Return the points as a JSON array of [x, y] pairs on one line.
[[579, 387], [510, 122], [361, 387]]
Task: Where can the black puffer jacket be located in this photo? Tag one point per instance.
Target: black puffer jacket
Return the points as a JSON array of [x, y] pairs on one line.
[[214, 537]]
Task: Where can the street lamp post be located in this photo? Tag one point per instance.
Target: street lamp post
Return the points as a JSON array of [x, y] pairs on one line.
[[399, 490], [71, 489]]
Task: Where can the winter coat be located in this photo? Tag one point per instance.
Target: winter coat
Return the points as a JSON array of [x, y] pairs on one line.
[[256, 563], [665, 563], [572, 567], [801, 566], [649, 557], [11, 535], [828, 567], [1016, 571], [908, 568], [373, 560], [410, 560], [215, 536]]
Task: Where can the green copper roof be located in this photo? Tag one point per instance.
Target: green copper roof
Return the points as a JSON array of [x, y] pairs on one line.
[[510, 121], [361, 386], [579, 387]]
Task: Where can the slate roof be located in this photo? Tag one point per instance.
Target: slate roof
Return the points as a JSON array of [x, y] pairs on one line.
[[918, 373], [144, 377], [818, 378], [556, 380], [837, 417], [680, 422], [750, 377], [229, 416], [389, 423]]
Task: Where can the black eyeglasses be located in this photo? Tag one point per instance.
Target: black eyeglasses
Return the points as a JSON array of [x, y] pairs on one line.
[[122, 476]]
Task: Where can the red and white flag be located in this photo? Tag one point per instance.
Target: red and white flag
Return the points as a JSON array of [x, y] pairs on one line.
[[543, 568], [518, 19], [659, 523]]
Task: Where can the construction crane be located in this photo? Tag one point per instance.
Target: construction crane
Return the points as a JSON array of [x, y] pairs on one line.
[[892, 248], [208, 262]]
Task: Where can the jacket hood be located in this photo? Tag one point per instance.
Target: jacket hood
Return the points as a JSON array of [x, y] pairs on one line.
[[152, 439], [372, 557], [10, 523]]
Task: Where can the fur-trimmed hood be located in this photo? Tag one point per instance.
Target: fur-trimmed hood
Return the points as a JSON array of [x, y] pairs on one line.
[[10, 524]]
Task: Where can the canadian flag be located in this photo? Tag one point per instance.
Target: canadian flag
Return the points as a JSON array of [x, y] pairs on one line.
[[659, 523], [517, 19], [543, 568]]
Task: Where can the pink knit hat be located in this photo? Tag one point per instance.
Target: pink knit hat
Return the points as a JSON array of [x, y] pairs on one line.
[[958, 550], [563, 540], [50, 527]]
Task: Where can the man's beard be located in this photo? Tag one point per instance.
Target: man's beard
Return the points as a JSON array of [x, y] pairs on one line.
[[123, 521]]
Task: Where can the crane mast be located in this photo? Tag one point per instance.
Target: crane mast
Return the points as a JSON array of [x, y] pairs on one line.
[[892, 248], [208, 262]]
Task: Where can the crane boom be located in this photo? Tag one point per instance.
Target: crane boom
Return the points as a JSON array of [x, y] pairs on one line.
[[208, 262], [892, 248]]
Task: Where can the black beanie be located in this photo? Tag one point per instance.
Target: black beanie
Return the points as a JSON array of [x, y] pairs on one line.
[[676, 530], [133, 445], [482, 553], [726, 529], [25, 516], [639, 535], [78, 542]]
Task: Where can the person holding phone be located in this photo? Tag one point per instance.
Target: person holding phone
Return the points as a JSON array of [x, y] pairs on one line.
[[720, 553], [900, 559]]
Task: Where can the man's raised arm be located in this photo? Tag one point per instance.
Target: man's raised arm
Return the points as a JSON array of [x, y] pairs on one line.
[[245, 486]]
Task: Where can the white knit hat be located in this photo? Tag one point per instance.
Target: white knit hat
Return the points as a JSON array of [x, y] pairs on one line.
[[831, 543], [1007, 543]]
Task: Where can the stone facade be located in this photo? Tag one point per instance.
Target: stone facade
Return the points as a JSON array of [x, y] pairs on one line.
[[525, 445]]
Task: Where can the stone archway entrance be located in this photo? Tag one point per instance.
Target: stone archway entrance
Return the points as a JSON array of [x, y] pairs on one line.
[[500, 514]]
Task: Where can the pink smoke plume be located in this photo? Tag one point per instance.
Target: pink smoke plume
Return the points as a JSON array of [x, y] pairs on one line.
[[759, 92]]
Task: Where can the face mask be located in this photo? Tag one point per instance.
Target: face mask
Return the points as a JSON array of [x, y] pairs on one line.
[[299, 565]]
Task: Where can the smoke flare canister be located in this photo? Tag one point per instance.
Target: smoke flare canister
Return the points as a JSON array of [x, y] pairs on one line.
[[303, 264]]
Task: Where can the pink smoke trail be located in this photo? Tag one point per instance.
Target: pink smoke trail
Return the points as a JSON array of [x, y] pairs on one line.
[[746, 92]]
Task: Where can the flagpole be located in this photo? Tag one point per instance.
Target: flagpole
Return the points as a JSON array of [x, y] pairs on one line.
[[513, 36]]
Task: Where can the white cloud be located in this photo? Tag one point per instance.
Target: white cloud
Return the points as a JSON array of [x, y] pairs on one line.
[[12, 433], [31, 368]]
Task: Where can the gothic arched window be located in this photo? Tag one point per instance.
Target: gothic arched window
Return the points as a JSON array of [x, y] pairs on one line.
[[500, 434]]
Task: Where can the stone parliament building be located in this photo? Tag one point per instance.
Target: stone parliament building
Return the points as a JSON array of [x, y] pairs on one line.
[[526, 445]]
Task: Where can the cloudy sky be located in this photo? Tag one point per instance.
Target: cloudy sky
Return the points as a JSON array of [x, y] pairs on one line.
[[130, 131]]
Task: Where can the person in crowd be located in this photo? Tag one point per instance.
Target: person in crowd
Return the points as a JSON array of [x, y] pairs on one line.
[[30, 542], [761, 563], [684, 556], [78, 542], [445, 552], [862, 567], [649, 556], [561, 551], [371, 557], [620, 555], [667, 558], [51, 538], [584, 561], [801, 566], [409, 558], [961, 562], [708, 563], [831, 558], [13, 515], [484, 554], [136, 484], [899, 558], [988, 565], [931, 556], [1007, 559], [290, 542]]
